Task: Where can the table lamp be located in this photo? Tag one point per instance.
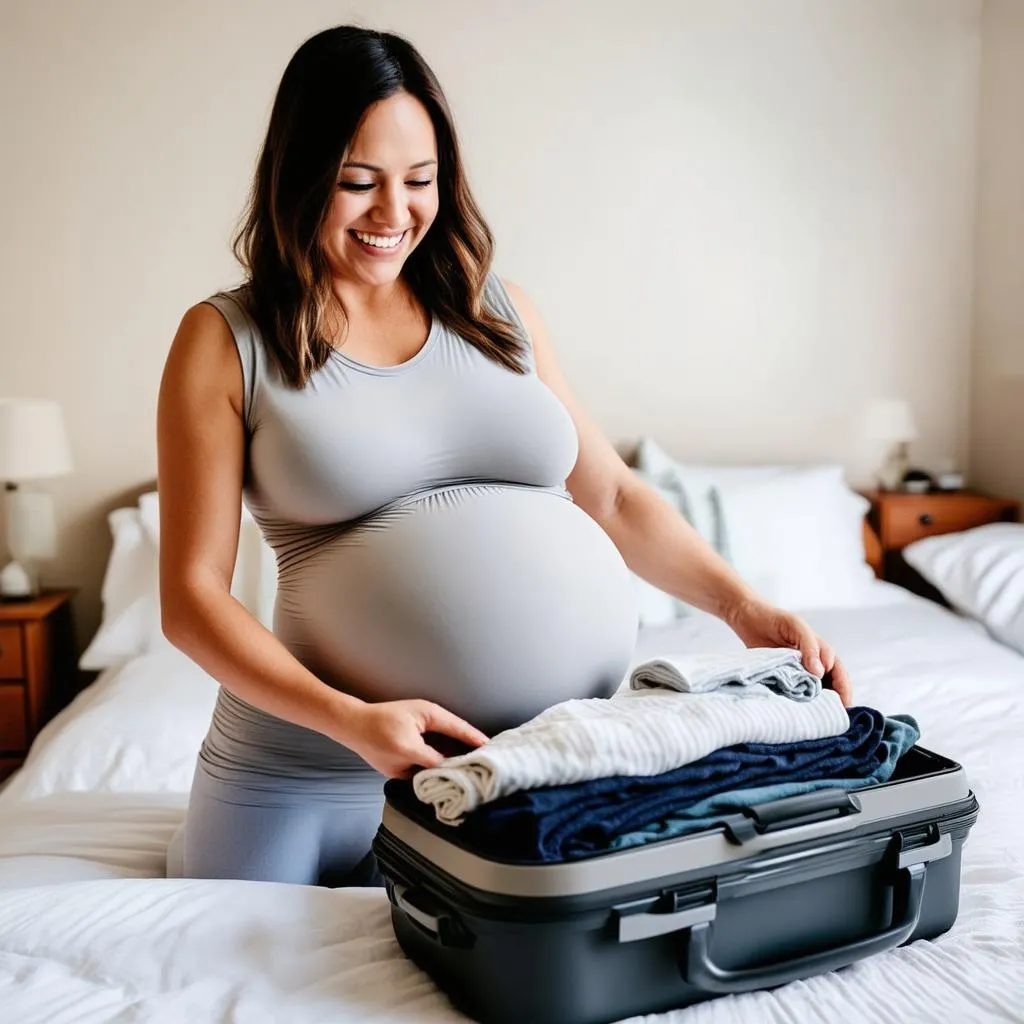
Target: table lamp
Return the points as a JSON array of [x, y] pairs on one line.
[[890, 421], [33, 446]]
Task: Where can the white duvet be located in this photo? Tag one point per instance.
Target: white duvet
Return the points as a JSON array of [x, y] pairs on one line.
[[90, 932]]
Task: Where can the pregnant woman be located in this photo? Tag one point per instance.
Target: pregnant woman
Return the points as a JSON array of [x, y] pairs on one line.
[[452, 531]]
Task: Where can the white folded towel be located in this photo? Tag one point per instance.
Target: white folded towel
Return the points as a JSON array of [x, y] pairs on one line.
[[778, 668], [636, 732]]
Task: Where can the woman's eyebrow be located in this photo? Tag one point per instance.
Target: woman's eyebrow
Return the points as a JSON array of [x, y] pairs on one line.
[[374, 167]]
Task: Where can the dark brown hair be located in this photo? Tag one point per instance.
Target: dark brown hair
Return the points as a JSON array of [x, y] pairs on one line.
[[325, 91]]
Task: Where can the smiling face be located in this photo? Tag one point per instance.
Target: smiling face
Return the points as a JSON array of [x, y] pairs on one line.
[[387, 197]]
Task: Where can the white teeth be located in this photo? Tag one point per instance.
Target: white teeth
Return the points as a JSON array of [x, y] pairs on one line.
[[380, 241]]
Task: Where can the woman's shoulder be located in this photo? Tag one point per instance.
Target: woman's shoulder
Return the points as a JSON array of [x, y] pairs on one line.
[[240, 296], [214, 328], [498, 295], [202, 361], [228, 313], [512, 302], [515, 292], [204, 338], [496, 285]]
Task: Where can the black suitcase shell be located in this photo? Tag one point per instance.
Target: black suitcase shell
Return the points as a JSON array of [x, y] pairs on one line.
[[782, 891]]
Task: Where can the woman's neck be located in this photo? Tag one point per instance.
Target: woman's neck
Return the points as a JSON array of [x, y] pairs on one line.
[[359, 299]]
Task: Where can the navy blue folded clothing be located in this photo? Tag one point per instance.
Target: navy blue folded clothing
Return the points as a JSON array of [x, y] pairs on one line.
[[559, 822], [901, 733]]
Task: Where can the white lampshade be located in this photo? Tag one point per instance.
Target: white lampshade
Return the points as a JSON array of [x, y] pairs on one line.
[[890, 420], [33, 440]]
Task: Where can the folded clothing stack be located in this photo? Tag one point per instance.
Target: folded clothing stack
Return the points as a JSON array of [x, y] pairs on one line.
[[559, 823], [690, 740], [680, 715]]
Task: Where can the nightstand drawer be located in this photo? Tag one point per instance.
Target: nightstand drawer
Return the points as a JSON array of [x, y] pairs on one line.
[[13, 730], [912, 516], [12, 662]]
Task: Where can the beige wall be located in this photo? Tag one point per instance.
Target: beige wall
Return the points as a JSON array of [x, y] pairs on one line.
[[997, 421], [741, 219]]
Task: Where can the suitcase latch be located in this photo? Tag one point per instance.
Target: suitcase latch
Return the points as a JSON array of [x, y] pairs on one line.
[[687, 896], [934, 845], [672, 911]]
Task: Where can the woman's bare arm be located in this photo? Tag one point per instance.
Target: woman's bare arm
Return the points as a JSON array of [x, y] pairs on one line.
[[201, 454], [656, 541]]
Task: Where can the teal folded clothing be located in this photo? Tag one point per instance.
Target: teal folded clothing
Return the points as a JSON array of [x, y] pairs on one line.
[[900, 733]]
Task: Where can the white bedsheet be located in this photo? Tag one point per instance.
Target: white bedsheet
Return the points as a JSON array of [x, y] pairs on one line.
[[86, 836], [89, 933]]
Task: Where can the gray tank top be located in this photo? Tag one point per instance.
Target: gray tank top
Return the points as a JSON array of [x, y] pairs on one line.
[[426, 543]]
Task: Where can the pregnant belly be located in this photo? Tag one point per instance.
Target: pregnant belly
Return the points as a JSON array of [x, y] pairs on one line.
[[495, 602]]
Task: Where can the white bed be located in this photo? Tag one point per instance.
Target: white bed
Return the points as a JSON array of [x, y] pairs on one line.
[[90, 932]]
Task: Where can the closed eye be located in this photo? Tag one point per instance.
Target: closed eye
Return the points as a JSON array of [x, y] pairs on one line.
[[359, 186]]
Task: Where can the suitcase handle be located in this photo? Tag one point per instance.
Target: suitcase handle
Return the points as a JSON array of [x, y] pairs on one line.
[[429, 922], [699, 970], [802, 809], [441, 926], [789, 812]]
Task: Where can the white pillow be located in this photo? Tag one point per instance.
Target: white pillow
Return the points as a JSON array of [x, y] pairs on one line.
[[137, 728], [130, 624], [980, 572], [797, 538], [692, 483]]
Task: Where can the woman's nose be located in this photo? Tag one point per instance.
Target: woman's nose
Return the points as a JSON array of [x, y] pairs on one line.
[[393, 209]]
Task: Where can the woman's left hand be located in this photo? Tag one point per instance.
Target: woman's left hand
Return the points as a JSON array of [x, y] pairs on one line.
[[759, 624]]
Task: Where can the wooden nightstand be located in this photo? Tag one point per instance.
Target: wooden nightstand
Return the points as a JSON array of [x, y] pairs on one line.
[[37, 670], [899, 519]]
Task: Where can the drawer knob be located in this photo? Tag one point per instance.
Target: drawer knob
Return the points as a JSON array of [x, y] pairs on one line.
[[925, 519]]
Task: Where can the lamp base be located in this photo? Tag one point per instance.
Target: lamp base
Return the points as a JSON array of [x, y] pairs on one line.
[[18, 582], [894, 468], [31, 531]]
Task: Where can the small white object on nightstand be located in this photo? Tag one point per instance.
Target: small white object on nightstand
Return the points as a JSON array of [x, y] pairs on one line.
[[948, 477]]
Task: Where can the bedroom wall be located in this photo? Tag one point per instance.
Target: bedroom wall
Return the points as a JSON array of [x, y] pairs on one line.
[[997, 381], [742, 220]]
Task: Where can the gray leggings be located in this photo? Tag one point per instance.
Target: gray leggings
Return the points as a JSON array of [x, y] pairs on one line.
[[279, 829]]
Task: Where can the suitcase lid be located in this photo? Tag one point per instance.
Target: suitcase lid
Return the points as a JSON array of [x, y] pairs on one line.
[[925, 787]]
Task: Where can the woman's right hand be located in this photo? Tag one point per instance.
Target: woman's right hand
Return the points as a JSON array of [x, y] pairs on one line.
[[389, 735]]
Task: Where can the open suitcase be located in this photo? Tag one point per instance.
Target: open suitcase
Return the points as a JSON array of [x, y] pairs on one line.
[[783, 891]]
